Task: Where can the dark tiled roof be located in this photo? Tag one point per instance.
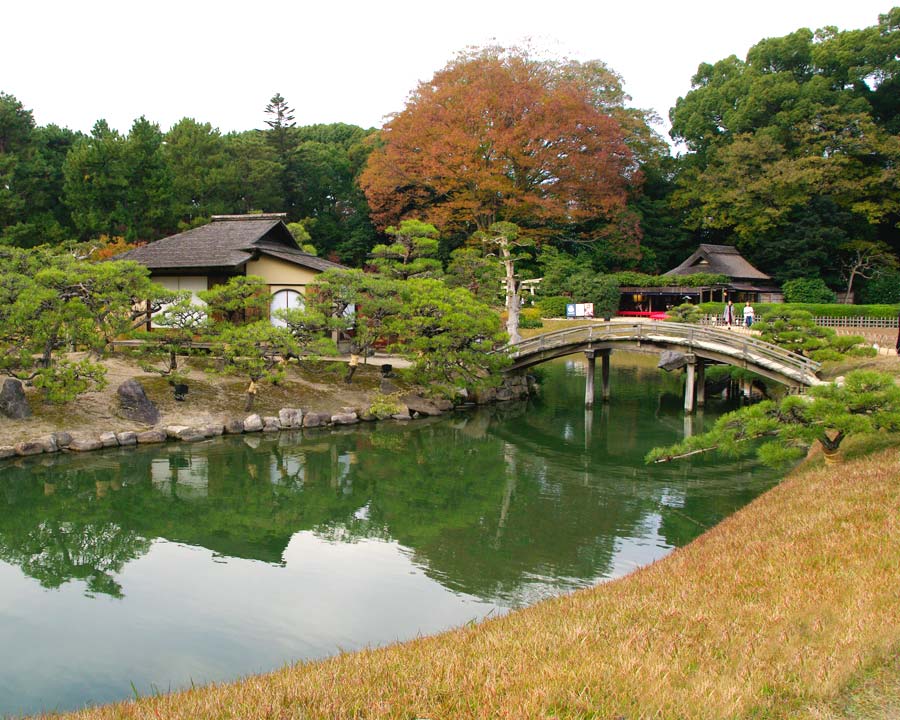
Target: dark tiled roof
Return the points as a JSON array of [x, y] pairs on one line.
[[227, 242], [720, 260]]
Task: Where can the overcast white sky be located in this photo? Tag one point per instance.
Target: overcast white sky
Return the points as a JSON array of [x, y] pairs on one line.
[[73, 62]]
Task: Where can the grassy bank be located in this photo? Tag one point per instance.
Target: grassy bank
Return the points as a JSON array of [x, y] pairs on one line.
[[777, 612]]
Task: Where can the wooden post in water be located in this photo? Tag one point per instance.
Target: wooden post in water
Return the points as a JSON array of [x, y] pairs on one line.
[[689, 384], [604, 374], [589, 386], [701, 383]]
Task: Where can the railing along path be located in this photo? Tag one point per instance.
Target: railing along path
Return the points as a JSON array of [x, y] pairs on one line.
[[701, 340]]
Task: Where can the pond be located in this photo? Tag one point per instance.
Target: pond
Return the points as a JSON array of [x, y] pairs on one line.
[[146, 570]]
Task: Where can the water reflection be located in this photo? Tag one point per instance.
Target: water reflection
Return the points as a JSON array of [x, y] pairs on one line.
[[383, 530]]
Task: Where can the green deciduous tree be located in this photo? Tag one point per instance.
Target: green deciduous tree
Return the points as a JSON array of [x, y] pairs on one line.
[[793, 150], [807, 290]]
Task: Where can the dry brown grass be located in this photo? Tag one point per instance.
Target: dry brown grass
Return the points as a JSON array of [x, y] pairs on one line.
[[770, 614]]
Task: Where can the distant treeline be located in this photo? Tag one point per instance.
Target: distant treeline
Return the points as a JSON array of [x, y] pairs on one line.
[[791, 154]]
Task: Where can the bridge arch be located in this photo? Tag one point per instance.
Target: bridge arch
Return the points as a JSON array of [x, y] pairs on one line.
[[701, 345]]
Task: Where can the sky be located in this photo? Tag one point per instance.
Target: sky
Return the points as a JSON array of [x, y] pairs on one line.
[[72, 62]]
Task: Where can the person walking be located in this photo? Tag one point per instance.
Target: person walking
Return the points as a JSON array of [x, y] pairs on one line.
[[729, 314], [748, 314]]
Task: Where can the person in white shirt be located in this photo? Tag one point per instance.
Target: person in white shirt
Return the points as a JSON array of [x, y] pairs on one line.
[[748, 314]]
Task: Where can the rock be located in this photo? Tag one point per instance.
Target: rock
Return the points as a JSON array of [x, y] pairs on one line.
[[271, 424], [312, 419], [135, 405], [388, 387], [671, 360], [420, 405], [366, 415], [290, 417], [62, 439], [192, 434], [108, 439], [348, 418], [483, 397], [443, 404], [253, 423], [126, 438], [49, 444], [151, 436], [213, 430], [504, 394], [28, 448], [173, 431], [401, 416], [13, 403], [85, 444], [7, 451], [234, 427]]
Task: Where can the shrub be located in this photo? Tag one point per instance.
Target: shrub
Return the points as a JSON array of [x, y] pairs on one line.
[[884, 288], [807, 290], [685, 313], [553, 306], [530, 318], [816, 310]]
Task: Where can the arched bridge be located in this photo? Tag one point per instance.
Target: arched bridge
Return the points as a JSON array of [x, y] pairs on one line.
[[701, 345]]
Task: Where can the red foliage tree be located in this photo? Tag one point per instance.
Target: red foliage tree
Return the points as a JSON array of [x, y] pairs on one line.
[[500, 136]]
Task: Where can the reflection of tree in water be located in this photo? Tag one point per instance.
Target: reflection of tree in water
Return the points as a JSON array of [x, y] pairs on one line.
[[56, 545], [507, 503], [485, 518], [54, 552]]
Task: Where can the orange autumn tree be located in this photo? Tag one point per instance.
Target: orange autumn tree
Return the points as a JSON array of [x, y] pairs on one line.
[[498, 136]]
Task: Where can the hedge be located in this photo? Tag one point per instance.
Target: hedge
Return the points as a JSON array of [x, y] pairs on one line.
[[631, 279], [553, 306], [816, 310]]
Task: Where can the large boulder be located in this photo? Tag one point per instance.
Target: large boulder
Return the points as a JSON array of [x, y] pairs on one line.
[[421, 406], [12, 400], [671, 360], [157, 435], [253, 423], [135, 405], [290, 417], [315, 419]]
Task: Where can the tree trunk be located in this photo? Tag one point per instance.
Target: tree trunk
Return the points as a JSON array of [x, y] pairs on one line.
[[512, 294], [849, 287]]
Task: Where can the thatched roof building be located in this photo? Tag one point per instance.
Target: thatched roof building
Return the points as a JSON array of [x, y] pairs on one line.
[[230, 245], [225, 246], [744, 282]]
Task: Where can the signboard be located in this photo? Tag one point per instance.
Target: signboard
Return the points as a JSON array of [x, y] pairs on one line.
[[580, 310]]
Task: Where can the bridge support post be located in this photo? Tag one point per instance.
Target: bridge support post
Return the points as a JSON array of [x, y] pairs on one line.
[[689, 384], [701, 383], [604, 374], [589, 385]]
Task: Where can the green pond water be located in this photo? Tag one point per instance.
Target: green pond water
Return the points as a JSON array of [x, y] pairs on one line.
[[150, 569]]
